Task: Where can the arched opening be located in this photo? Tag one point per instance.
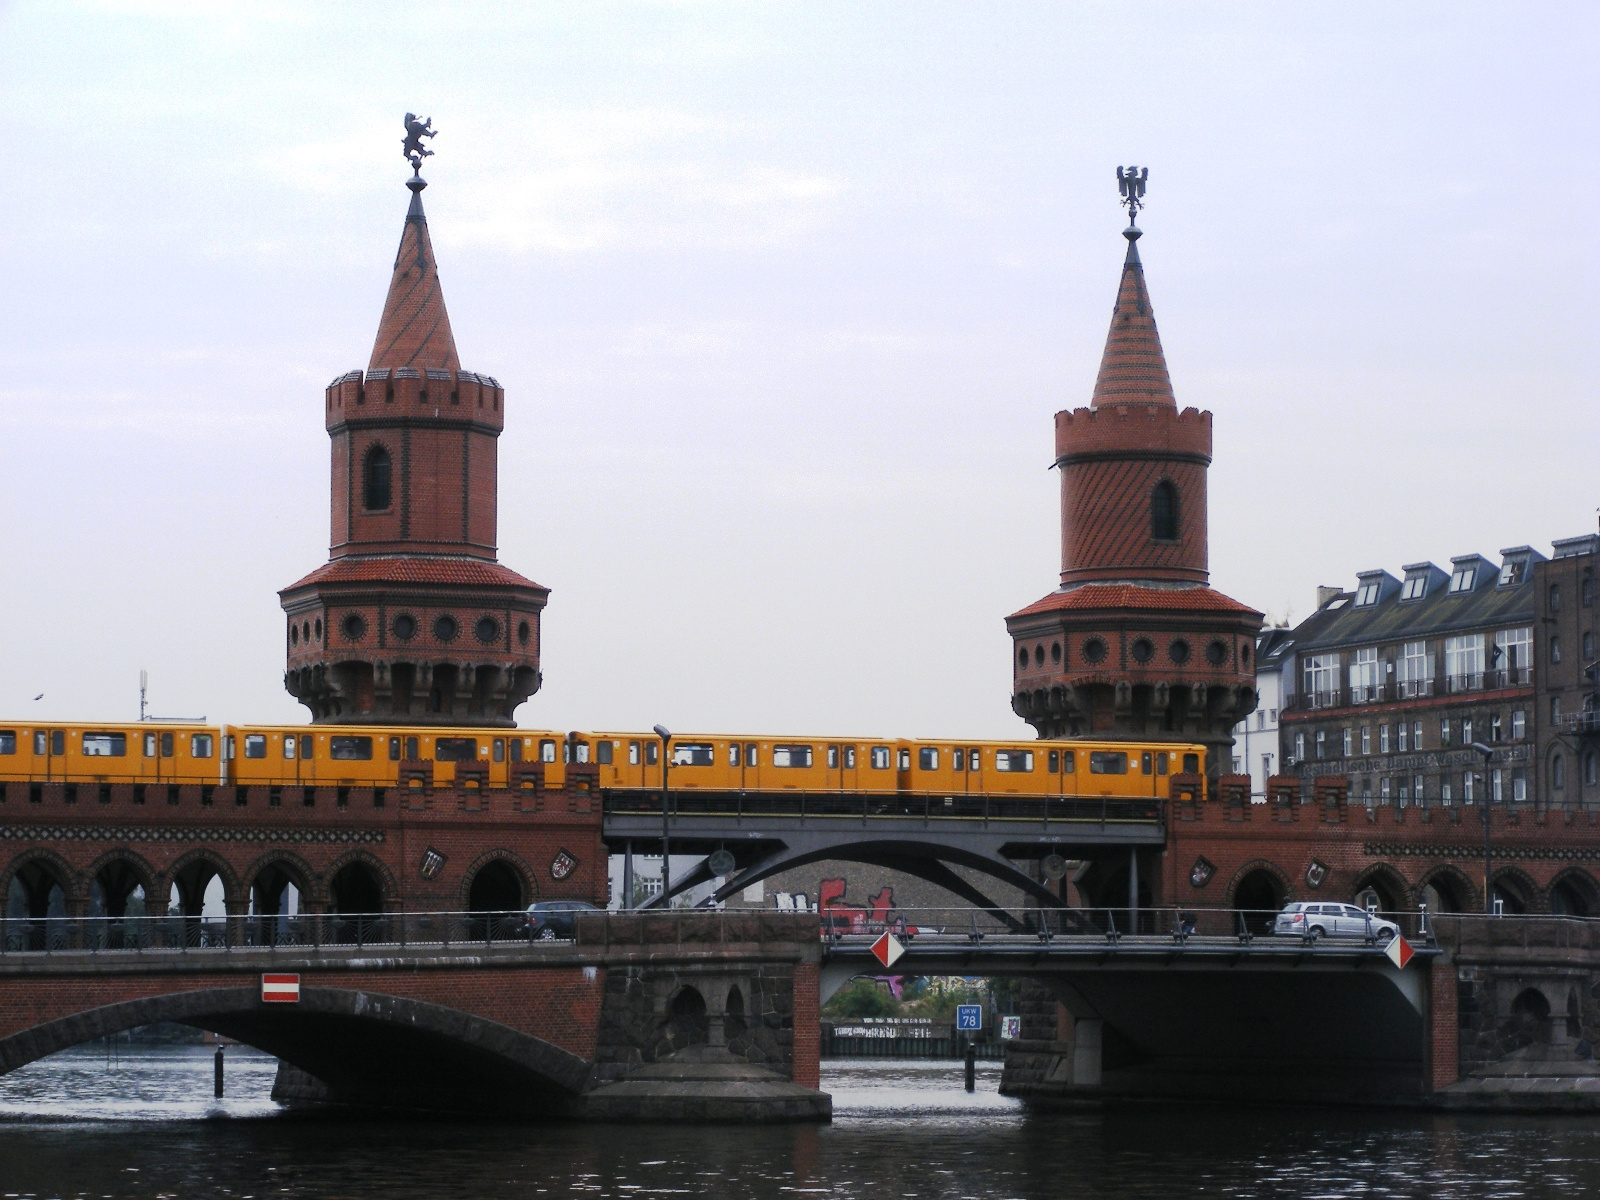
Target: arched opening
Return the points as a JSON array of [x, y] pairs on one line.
[[1530, 1019], [36, 908], [1378, 891], [356, 889], [495, 888], [1164, 512], [1260, 893], [1444, 893], [1512, 894], [276, 896], [116, 902], [377, 491], [1574, 895], [687, 1023]]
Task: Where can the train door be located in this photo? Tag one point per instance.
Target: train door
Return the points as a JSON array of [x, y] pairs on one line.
[[1063, 767], [50, 751], [843, 770], [497, 762], [902, 766], [972, 780]]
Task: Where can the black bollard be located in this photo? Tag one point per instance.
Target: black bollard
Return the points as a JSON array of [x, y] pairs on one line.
[[219, 1072], [972, 1067]]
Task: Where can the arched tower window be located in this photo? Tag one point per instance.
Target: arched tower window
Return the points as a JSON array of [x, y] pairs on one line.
[[1164, 512], [377, 491]]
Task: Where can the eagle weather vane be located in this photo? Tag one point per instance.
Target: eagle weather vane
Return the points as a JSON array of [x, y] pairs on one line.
[[412, 147], [1130, 182]]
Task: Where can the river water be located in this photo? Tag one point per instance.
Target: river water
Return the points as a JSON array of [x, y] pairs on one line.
[[145, 1125]]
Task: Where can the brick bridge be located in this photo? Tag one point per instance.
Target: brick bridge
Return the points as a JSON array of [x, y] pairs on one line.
[[507, 1027]]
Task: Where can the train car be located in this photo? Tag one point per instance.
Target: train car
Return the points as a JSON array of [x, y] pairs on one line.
[[728, 763], [1078, 768], [372, 755], [142, 752]]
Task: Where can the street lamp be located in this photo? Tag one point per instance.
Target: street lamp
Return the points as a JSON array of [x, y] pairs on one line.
[[1488, 797], [662, 732]]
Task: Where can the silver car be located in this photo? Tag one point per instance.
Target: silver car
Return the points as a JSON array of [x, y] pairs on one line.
[[1332, 920]]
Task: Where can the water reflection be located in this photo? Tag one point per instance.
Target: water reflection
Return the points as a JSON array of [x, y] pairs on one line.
[[148, 1127]]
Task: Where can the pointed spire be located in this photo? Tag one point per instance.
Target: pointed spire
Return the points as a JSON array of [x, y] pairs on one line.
[[1133, 368], [415, 328]]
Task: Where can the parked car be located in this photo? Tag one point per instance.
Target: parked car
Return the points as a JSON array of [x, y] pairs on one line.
[[1332, 920], [554, 920]]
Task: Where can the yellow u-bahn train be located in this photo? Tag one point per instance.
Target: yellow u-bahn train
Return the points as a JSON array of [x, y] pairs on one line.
[[377, 756]]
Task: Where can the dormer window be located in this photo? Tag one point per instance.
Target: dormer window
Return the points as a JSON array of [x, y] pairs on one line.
[[1416, 587], [1463, 579], [1511, 573], [1367, 594]]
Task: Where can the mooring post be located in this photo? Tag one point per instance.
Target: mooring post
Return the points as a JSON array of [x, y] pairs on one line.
[[972, 1066], [218, 1071]]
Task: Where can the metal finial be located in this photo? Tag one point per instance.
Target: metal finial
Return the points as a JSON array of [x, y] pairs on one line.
[[412, 147], [1130, 182]]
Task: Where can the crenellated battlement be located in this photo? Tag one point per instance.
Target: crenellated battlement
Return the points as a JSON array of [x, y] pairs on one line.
[[1133, 427], [411, 392]]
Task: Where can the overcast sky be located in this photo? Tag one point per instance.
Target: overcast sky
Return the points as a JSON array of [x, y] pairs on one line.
[[784, 299]]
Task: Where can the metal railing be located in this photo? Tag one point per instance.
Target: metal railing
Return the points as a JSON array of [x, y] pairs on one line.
[[48, 935], [1411, 689], [890, 805]]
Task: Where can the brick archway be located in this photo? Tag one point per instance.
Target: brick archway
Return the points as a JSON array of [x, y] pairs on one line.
[[385, 877], [70, 881], [1391, 887], [1580, 886], [312, 887], [529, 878], [144, 875], [1453, 885], [220, 866], [1518, 887]]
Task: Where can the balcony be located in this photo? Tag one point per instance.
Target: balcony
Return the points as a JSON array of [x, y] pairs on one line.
[[1472, 682], [1509, 677], [1370, 693], [1411, 689], [1584, 722]]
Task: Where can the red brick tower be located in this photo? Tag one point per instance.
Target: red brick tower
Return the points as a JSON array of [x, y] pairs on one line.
[[413, 619], [1133, 643]]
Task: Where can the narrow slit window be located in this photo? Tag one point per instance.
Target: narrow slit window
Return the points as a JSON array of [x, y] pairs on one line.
[[1164, 512]]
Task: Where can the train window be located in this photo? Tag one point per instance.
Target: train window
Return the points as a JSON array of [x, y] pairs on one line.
[[878, 757], [166, 745], [40, 742], [1161, 764], [928, 758], [288, 745], [650, 754], [603, 752], [547, 750], [733, 754], [1013, 760], [394, 749], [8, 741], [583, 751], [1191, 763], [958, 760], [833, 757], [791, 756], [1069, 762], [1146, 763], [58, 741], [566, 752], [307, 746], [850, 758], [633, 754], [228, 750], [200, 745], [149, 745], [350, 749], [694, 754], [1055, 761], [516, 750], [105, 745], [411, 748], [905, 759], [499, 749], [255, 745], [455, 749], [752, 754], [1108, 762]]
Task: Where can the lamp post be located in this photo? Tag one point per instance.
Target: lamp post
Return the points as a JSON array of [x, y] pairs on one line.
[[662, 732], [1488, 798]]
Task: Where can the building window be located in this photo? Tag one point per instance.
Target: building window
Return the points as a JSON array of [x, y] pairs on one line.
[[1588, 645], [1416, 735], [1299, 747], [1383, 790], [1164, 512], [1466, 731], [1367, 594], [1416, 788], [1405, 791], [1444, 731], [1558, 771], [1587, 598], [1416, 674], [1321, 743], [377, 492], [1591, 768], [1555, 710], [1383, 739], [1555, 597], [1366, 739], [1364, 675], [1416, 586], [1466, 787], [1347, 742], [1518, 647], [1463, 661], [1519, 725], [1494, 728], [1273, 716], [1322, 679], [1555, 649], [1444, 790], [1519, 786], [1402, 734], [1266, 765], [1236, 765], [1366, 792], [1261, 720], [1511, 572], [1496, 786], [1463, 577]]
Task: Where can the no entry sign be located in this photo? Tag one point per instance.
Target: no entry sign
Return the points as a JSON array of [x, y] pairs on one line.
[[280, 989]]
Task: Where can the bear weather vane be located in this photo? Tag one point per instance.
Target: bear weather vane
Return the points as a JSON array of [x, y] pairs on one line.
[[1130, 182], [412, 147]]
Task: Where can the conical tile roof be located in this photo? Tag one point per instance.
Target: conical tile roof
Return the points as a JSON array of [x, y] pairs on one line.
[[1133, 369], [415, 329]]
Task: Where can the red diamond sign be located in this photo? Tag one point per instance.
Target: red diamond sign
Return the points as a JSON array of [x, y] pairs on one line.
[[1399, 951], [887, 949]]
